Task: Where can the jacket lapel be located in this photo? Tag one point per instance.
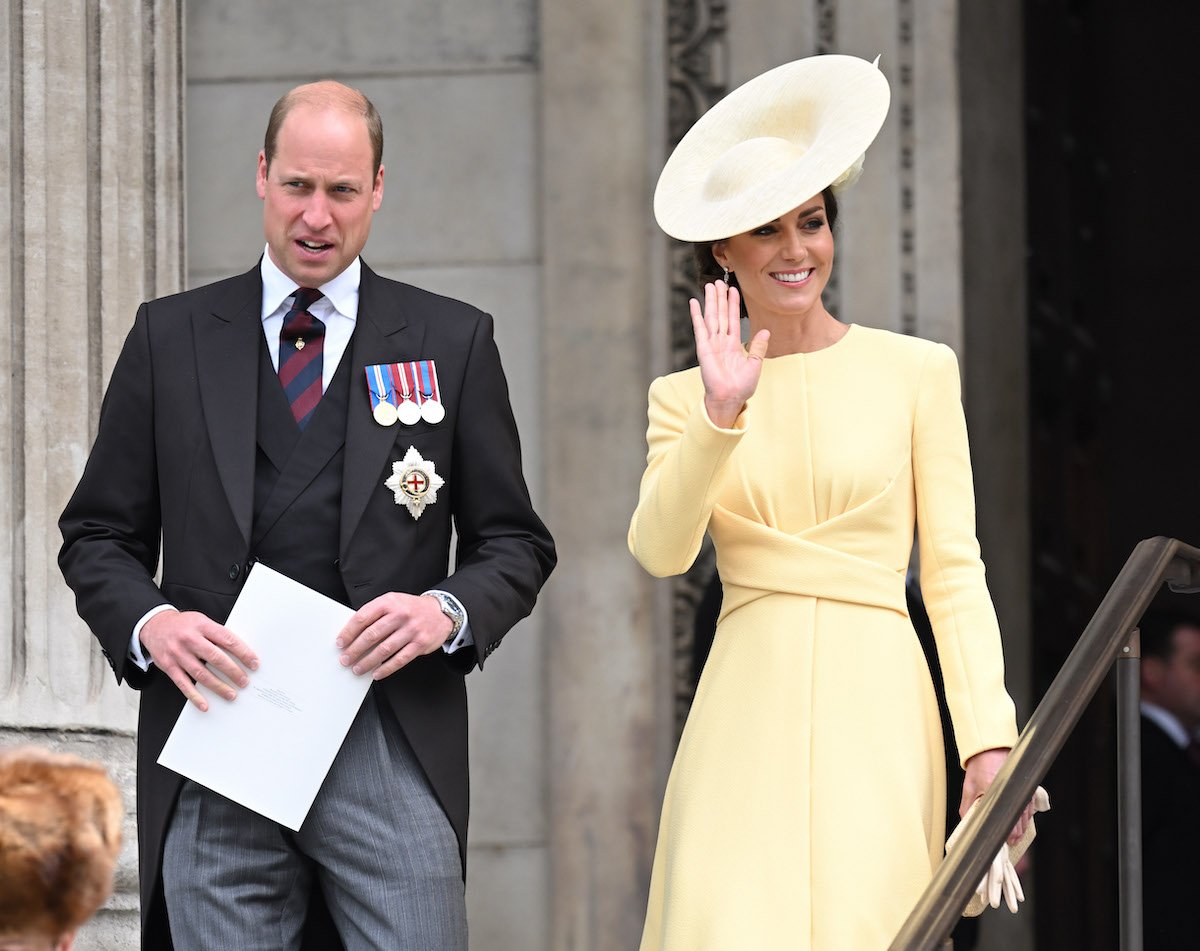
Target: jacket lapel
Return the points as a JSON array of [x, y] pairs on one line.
[[384, 333], [227, 354]]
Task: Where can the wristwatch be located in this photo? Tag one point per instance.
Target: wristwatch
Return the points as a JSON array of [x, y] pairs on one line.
[[453, 610]]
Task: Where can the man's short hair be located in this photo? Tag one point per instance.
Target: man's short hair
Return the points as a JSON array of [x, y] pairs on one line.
[[329, 93], [1157, 632], [60, 832]]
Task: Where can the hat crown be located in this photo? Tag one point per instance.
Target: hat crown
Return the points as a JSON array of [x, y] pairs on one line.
[[749, 161]]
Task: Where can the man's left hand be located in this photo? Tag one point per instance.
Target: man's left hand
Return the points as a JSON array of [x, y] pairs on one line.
[[389, 632]]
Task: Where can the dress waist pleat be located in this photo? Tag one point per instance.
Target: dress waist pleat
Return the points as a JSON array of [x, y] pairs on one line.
[[755, 561]]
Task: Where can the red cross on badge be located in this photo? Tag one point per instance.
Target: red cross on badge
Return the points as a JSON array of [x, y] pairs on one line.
[[415, 483]]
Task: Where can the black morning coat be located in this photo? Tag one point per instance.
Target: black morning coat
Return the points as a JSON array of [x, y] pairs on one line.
[[176, 455]]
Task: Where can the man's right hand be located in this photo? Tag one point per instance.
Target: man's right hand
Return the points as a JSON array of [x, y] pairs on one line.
[[185, 644]]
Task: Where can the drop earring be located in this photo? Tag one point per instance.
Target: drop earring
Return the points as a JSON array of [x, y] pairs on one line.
[[726, 278]]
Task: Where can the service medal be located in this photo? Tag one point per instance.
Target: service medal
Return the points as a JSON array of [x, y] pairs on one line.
[[425, 382], [414, 482], [382, 393], [385, 414], [432, 411], [409, 412]]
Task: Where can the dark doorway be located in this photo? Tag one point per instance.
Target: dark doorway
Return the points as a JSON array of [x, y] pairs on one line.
[[1114, 341]]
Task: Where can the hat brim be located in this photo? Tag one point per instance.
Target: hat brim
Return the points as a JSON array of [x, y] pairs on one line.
[[815, 116]]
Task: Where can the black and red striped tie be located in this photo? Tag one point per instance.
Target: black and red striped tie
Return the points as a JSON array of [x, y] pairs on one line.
[[301, 355]]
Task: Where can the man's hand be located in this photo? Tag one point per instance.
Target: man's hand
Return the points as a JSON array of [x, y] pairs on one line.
[[387, 633], [188, 647]]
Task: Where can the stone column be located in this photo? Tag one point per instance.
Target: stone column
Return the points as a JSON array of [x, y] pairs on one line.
[[991, 41], [608, 690], [90, 225]]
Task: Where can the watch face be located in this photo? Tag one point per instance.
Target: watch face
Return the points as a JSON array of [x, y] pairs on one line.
[[452, 611]]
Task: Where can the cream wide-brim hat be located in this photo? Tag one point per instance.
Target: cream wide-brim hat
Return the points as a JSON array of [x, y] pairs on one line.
[[769, 145]]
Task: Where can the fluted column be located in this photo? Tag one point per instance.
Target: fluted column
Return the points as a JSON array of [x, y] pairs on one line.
[[90, 225], [608, 699]]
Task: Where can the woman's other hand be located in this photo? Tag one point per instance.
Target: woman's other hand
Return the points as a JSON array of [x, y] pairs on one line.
[[981, 769], [729, 372]]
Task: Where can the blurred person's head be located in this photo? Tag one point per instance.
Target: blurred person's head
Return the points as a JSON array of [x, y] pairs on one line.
[[1171, 666], [60, 832]]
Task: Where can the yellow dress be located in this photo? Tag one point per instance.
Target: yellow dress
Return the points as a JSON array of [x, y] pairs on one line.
[[805, 807]]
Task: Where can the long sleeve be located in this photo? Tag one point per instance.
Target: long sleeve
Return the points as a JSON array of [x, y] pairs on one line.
[[111, 525], [952, 574], [505, 552], [685, 468]]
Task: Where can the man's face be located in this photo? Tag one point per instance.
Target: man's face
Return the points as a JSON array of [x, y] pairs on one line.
[[319, 193], [1175, 684]]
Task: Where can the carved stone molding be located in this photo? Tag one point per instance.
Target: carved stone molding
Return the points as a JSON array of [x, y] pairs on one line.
[[697, 76], [91, 215], [905, 101], [93, 207]]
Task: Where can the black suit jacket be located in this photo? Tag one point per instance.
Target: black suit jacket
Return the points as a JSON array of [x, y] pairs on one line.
[[175, 456], [1170, 843]]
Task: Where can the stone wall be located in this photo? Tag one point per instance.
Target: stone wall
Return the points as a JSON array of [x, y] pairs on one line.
[[90, 225]]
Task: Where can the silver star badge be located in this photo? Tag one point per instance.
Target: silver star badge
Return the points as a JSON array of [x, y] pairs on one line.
[[415, 482]]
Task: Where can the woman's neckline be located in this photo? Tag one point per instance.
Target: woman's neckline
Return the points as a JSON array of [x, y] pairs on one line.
[[850, 329]]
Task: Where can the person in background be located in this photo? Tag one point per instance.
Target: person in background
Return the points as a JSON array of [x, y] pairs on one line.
[[60, 833], [1170, 676]]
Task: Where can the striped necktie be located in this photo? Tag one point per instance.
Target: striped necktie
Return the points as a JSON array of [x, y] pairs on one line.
[[301, 356]]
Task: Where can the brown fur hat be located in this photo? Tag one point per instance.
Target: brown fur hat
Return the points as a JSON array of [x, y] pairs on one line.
[[60, 832]]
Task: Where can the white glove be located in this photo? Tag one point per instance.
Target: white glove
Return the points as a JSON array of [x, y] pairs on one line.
[[1000, 880]]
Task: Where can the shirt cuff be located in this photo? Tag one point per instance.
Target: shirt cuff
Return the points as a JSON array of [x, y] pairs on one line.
[[136, 654], [464, 638]]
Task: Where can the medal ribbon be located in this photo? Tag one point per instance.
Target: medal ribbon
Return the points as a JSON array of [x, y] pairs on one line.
[[379, 387], [429, 385], [400, 383]]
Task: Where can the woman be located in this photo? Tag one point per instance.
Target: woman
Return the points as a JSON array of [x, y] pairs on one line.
[[805, 806]]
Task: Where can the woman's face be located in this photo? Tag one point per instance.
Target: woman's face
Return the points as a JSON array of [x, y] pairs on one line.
[[783, 266]]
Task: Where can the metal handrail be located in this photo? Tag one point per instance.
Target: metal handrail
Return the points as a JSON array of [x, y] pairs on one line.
[[1106, 639]]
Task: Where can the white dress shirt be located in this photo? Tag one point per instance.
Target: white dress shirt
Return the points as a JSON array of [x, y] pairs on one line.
[[338, 311], [1168, 722]]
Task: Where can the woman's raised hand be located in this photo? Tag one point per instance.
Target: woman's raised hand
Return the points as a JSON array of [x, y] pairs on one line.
[[729, 372]]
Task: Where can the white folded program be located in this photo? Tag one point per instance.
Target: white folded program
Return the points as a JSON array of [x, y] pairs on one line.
[[1001, 880]]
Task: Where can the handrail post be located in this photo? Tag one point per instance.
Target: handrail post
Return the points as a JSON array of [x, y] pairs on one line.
[[1129, 790], [1107, 637]]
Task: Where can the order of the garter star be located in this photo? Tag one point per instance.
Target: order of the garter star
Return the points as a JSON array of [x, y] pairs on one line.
[[415, 482]]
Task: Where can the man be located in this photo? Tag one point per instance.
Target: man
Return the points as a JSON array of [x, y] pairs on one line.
[[1170, 675], [239, 425]]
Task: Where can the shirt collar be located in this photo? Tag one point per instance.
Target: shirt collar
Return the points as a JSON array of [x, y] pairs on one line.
[[342, 291], [1168, 721]]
